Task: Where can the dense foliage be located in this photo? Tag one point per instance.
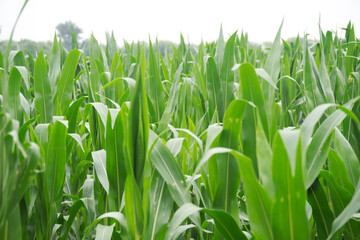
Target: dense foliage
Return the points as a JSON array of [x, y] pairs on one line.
[[226, 141]]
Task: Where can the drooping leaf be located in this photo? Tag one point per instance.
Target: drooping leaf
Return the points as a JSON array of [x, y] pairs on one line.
[[99, 158]]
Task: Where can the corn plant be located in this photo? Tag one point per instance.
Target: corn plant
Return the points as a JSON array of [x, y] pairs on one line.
[[225, 140]]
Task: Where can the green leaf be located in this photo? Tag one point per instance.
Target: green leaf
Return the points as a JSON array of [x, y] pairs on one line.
[[337, 168], [104, 232], [258, 202], [12, 227], [266, 76], [130, 82], [345, 205], [289, 219], [43, 95], [72, 214], [175, 145], [272, 64], [56, 161], [55, 170], [169, 169], [115, 163], [226, 74], [54, 63], [322, 213], [309, 123], [99, 158], [311, 92], [272, 67], [316, 152], [227, 166], [185, 211], [72, 113], [347, 154], [138, 125], [154, 86], [264, 156], [13, 106], [94, 83], [117, 216], [171, 103], [226, 224], [251, 91], [215, 95], [77, 138], [160, 207], [65, 86], [133, 208], [220, 47]]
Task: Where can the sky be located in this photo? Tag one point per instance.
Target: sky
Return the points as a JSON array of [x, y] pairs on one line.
[[197, 20]]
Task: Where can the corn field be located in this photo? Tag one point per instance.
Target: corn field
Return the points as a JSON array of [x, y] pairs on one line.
[[228, 140]]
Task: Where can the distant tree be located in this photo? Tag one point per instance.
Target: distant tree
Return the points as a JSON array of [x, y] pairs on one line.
[[65, 31]]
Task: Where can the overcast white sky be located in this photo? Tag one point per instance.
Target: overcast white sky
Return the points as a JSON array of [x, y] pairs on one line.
[[196, 19]]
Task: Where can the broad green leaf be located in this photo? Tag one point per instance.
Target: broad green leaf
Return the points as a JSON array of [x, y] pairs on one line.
[[220, 47], [272, 67], [77, 138], [104, 232], [251, 91], [175, 145], [130, 82], [289, 219], [160, 207], [322, 213], [171, 103], [64, 89], [99, 158], [311, 92], [337, 168], [55, 170], [169, 169], [55, 161], [115, 163], [325, 80], [258, 201], [94, 83], [43, 93], [12, 227], [227, 166], [154, 86], [266, 76], [309, 123], [101, 109], [347, 154], [13, 106], [214, 90], [344, 206], [317, 150], [264, 156], [54, 63], [185, 211], [72, 214], [117, 216], [133, 208], [226, 224], [72, 113], [226, 74], [138, 126]]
